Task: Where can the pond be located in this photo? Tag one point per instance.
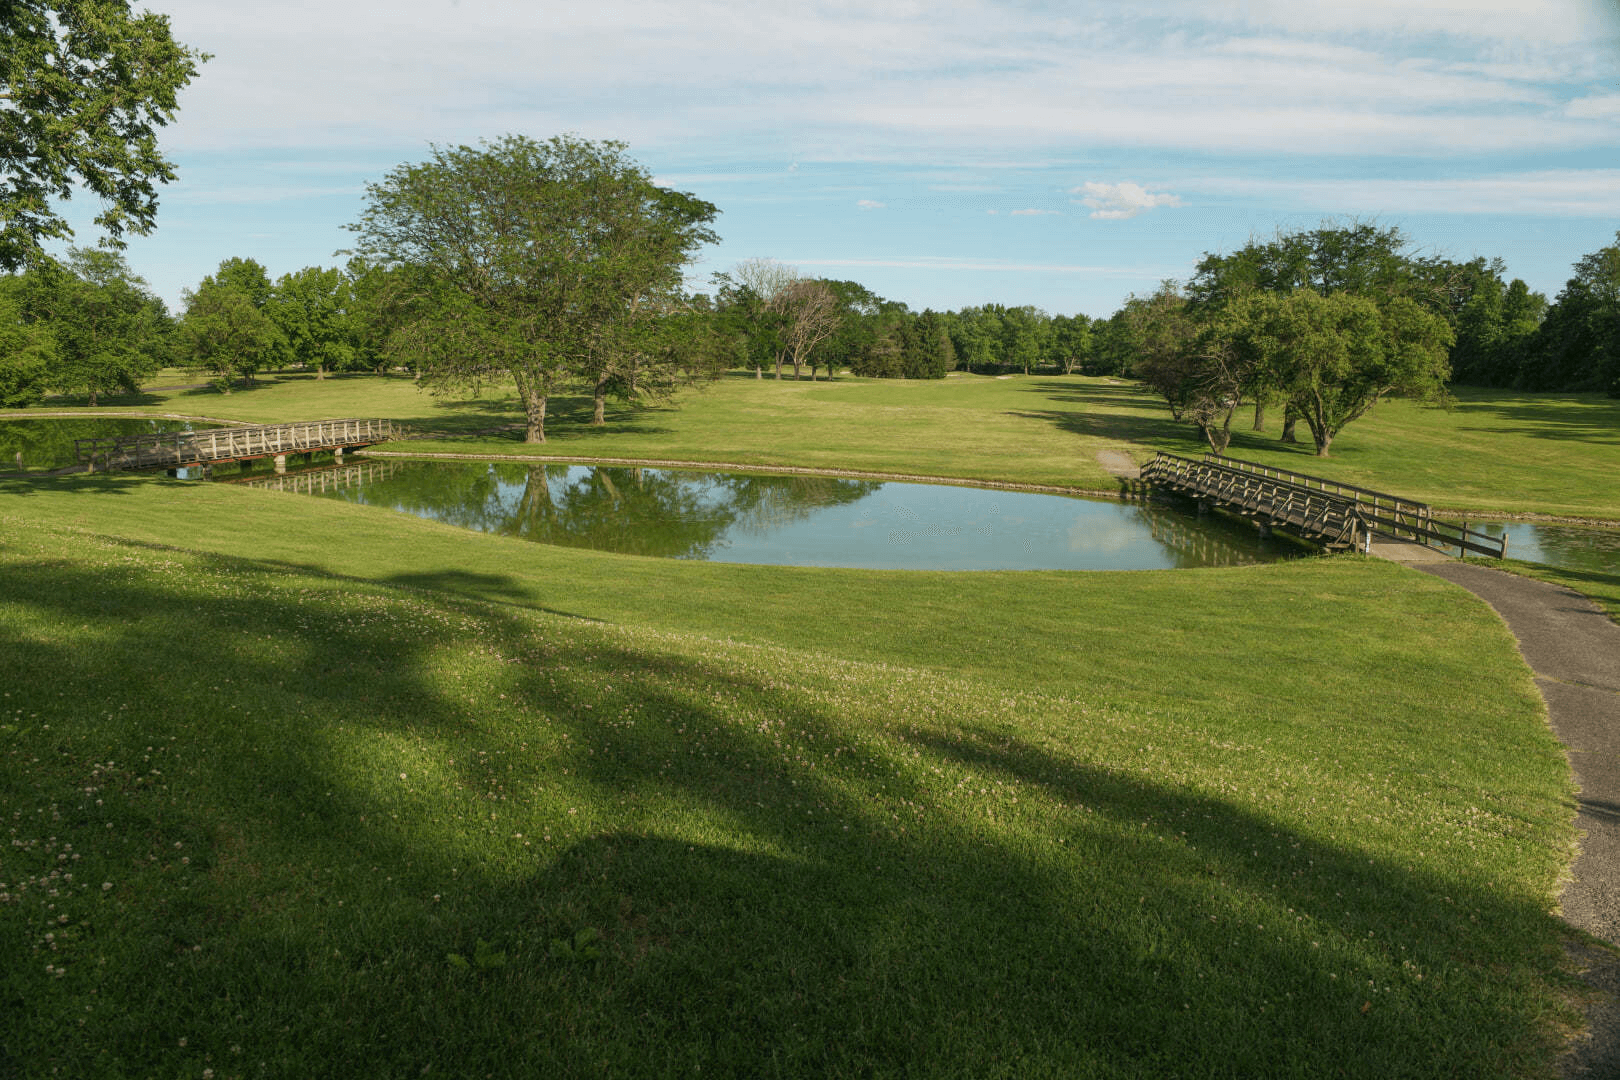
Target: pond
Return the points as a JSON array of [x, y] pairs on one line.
[[1569, 547], [47, 443], [793, 520]]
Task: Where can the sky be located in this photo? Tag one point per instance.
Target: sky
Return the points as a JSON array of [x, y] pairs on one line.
[[942, 154]]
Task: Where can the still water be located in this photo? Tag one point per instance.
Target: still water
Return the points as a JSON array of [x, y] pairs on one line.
[[48, 443], [793, 520], [1569, 547]]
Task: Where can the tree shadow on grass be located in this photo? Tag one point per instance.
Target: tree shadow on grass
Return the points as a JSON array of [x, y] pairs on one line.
[[1589, 418], [779, 880]]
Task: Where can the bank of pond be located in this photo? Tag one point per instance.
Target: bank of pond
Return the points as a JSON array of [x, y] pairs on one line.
[[801, 520]]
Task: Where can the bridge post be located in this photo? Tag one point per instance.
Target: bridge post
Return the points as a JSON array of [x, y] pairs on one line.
[[337, 455], [281, 463]]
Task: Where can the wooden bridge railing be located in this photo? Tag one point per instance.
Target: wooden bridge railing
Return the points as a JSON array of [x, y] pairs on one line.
[[230, 444], [1330, 512], [330, 478]]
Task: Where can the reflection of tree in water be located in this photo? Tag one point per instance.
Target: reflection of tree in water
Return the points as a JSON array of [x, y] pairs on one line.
[[1575, 547], [658, 512], [764, 504], [48, 444], [632, 511], [1205, 541]]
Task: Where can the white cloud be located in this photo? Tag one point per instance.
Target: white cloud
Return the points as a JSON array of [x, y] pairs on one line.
[[1036, 213], [870, 204], [1595, 107], [1547, 193], [1116, 202]]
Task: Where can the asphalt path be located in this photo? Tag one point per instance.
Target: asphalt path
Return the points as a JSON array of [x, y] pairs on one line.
[[1573, 648]]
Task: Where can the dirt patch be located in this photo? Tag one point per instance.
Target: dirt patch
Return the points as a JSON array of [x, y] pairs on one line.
[[1118, 464]]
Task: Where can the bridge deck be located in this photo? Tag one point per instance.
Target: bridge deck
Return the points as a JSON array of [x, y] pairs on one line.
[[230, 444], [1327, 512]]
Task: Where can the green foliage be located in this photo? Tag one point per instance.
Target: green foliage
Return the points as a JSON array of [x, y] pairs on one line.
[[313, 309], [27, 351], [246, 276], [86, 84], [223, 332], [1577, 346], [542, 261], [111, 331]]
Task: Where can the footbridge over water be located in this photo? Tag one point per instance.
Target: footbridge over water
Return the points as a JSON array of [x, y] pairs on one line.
[[1337, 516], [185, 448]]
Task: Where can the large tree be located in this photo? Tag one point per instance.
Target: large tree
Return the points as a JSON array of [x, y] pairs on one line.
[[224, 333], [528, 259], [84, 86], [110, 329], [313, 309], [1337, 355]]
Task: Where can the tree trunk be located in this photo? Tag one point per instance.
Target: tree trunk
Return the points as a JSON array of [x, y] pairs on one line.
[[1259, 414], [92, 397], [320, 372], [534, 408], [599, 401], [1290, 418], [759, 372]]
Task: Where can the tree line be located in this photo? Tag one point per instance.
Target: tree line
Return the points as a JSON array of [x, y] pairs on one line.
[[559, 265], [1325, 323]]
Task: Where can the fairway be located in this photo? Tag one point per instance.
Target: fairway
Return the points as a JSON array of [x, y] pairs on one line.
[[374, 795], [1490, 451]]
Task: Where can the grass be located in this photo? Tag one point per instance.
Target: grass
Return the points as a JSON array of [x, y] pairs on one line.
[[298, 787], [1493, 451]]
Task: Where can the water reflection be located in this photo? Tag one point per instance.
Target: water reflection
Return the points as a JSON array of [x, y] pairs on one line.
[[47, 443], [1570, 547], [791, 520]]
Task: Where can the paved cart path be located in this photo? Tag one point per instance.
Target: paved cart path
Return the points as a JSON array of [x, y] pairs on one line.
[[1574, 649]]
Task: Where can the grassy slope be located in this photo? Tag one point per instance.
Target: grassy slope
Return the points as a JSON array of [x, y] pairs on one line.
[[1281, 820], [1493, 451]]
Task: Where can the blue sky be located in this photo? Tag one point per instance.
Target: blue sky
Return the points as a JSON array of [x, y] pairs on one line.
[[943, 154]]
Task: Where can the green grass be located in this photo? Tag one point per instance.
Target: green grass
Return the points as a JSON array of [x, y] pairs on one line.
[[344, 793], [1493, 451]]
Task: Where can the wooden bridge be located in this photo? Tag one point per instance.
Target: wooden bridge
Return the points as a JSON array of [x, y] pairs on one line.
[[183, 448], [1334, 515]]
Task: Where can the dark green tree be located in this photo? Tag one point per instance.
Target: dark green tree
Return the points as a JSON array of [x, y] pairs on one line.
[[84, 86], [1578, 343], [223, 333], [313, 309], [111, 331], [27, 349], [537, 261]]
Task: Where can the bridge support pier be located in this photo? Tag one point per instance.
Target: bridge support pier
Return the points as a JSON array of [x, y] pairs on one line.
[[337, 454], [281, 463], [1263, 529]]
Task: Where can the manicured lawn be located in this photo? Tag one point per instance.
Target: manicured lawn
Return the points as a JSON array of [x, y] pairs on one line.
[[298, 787], [1493, 450]]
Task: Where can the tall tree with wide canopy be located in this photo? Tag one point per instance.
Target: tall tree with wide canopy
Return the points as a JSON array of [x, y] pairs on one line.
[[1337, 355], [313, 310], [535, 260], [109, 330], [84, 86]]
